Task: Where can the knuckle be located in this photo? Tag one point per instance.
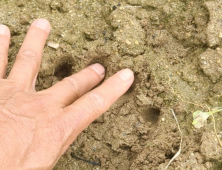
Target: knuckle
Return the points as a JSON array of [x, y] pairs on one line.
[[28, 105], [14, 86], [30, 102], [96, 102], [73, 84], [12, 103], [29, 57], [58, 132], [40, 102], [9, 87]]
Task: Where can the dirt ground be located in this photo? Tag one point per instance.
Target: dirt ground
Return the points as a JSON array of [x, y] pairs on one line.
[[175, 49]]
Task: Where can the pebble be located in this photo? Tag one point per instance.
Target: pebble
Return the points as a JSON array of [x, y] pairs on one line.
[[53, 45]]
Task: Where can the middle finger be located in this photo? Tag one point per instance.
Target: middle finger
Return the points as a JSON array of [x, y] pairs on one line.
[[71, 88]]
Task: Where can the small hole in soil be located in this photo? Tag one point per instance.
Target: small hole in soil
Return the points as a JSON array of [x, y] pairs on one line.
[[169, 155], [63, 70], [152, 115], [125, 147]]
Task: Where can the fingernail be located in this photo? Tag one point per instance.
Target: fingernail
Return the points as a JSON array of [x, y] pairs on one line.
[[126, 75], [4, 30], [42, 24], [98, 68]]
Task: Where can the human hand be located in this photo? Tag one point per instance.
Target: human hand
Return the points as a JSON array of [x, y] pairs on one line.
[[36, 128]]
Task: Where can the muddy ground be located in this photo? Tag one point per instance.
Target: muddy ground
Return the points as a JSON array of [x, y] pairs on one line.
[[175, 49]]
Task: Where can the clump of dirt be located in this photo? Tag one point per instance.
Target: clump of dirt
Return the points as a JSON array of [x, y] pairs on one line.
[[174, 48], [210, 62]]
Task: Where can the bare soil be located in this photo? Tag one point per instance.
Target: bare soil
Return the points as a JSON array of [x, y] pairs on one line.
[[174, 48]]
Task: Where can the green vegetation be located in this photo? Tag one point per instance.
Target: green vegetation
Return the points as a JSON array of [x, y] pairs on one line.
[[200, 117]]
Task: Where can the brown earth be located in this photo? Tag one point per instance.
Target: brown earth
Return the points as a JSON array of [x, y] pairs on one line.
[[175, 49]]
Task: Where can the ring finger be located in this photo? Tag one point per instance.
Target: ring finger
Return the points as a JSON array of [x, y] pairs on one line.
[[28, 60]]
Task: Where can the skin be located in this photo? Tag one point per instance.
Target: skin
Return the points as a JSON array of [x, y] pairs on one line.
[[36, 128]]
